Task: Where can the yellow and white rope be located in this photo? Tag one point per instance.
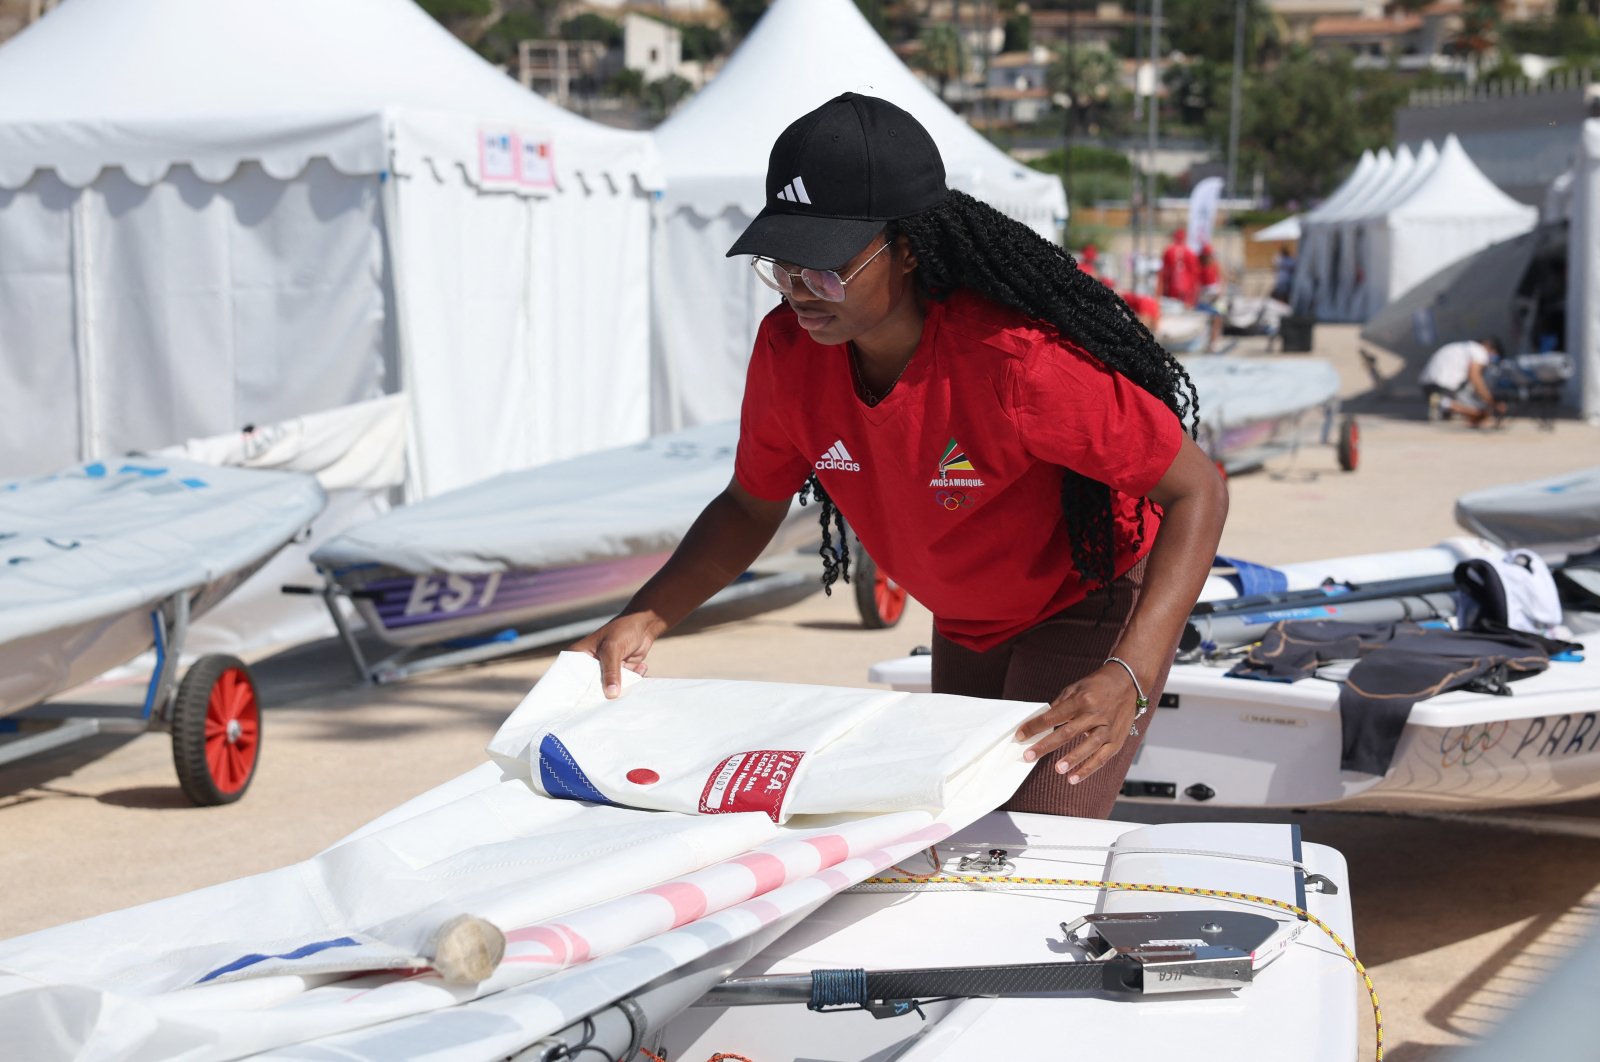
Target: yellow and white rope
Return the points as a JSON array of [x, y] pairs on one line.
[[1181, 890]]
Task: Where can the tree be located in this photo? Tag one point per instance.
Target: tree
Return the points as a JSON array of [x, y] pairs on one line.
[[1480, 29], [1019, 32], [943, 54], [700, 41], [1307, 119], [662, 95], [1087, 74], [1205, 28], [467, 19], [591, 27], [744, 14]]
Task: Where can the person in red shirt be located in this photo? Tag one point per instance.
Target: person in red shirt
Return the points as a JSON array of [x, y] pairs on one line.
[[1003, 435], [1180, 269]]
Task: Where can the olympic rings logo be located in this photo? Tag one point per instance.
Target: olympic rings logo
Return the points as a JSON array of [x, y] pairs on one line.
[[955, 499], [1468, 744]]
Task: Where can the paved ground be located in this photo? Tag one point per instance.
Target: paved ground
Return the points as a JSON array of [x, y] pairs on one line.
[[1456, 919]]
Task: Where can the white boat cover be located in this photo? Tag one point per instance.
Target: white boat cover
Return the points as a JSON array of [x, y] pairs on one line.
[[623, 502], [1236, 391], [1562, 510], [781, 796], [106, 538]]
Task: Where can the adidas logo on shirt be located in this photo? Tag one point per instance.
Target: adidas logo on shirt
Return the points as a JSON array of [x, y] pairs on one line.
[[795, 192], [837, 457]]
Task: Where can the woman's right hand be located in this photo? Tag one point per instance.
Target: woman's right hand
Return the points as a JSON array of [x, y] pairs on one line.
[[622, 643]]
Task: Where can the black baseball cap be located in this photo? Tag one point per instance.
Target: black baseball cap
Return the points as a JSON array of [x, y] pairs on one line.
[[836, 176]]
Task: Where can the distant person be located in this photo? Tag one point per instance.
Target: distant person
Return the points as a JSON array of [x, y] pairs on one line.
[[1455, 381], [1210, 297], [1180, 270], [1283, 274], [1089, 260]]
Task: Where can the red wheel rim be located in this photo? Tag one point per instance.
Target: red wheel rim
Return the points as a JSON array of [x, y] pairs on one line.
[[1354, 438], [233, 731], [889, 598]]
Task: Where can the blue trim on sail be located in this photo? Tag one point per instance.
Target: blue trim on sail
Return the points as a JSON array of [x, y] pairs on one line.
[[561, 776], [298, 953]]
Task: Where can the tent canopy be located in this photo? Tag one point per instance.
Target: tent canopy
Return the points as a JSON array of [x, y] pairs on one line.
[[801, 54], [149, 85]]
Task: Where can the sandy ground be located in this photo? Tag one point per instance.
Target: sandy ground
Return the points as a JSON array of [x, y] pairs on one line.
[[1456, 919]]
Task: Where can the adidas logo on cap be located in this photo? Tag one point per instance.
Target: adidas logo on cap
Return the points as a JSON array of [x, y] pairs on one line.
[[795, 192], [838, 458]]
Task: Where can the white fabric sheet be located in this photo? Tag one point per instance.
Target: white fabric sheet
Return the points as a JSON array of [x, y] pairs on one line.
[[598, 899]]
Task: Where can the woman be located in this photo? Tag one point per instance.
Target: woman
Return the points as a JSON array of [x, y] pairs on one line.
[[925, 372]]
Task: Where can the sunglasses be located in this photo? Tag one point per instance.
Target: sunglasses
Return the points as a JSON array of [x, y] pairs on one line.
[[825, 284]]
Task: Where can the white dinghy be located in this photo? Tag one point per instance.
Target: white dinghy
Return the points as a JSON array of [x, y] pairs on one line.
[[619, 862], [530, 558], [106, 560], [1218, 739]]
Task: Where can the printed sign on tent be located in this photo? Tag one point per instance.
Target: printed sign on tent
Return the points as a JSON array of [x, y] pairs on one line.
[[497, 156], [536, 162]]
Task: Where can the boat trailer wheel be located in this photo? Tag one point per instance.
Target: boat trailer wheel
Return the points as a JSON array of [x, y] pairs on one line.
[[216, 730], [880, 600], [1349, 444]]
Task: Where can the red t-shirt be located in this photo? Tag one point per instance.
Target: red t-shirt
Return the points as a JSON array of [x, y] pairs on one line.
[[953, 481]]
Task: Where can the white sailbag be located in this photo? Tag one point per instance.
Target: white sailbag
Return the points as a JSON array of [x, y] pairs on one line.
[[772, 799]]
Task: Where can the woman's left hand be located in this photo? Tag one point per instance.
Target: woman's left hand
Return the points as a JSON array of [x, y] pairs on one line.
[[1099, 707]]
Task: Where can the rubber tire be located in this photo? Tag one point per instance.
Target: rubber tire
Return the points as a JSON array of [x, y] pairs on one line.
[[879, 599], [203, 698], [1349, 444]]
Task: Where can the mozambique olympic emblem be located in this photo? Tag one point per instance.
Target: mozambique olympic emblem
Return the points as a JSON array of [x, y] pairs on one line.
[[956, 499]]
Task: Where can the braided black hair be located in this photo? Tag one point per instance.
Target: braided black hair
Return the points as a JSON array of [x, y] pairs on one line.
[[965, 244]]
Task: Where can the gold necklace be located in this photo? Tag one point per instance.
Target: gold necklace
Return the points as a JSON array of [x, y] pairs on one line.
[[872, 397]]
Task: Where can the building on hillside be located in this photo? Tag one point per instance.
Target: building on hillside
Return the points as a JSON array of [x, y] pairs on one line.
[[1299, 16], [655, 49], [697, 9], [1018, 89], [562, 71]]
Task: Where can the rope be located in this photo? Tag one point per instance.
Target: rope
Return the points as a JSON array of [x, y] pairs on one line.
[[837, 988], [720, 1056], [1181, 890]]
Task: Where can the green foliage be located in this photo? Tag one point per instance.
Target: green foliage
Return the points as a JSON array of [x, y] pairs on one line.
[[1307, 119], [701, 42], [499, 43], [1081, 234], [591, 27], [1019, 33], [1574, 37], [1098, 174], [1085, 158], [874, 12], [1088, 74], [452, 12], [943, 54], [744, 14], [1205, 29], [662, 95], [626, 83]]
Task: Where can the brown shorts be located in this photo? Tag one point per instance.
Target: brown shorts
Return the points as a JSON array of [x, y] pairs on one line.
[[1038, 664]]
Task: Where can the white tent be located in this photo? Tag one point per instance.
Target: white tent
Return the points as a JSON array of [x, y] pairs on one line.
[[1454, 212], [221, 213], [714, 150], [1374, 292], [1349, 249], [1583, 274], [1314, 264]]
